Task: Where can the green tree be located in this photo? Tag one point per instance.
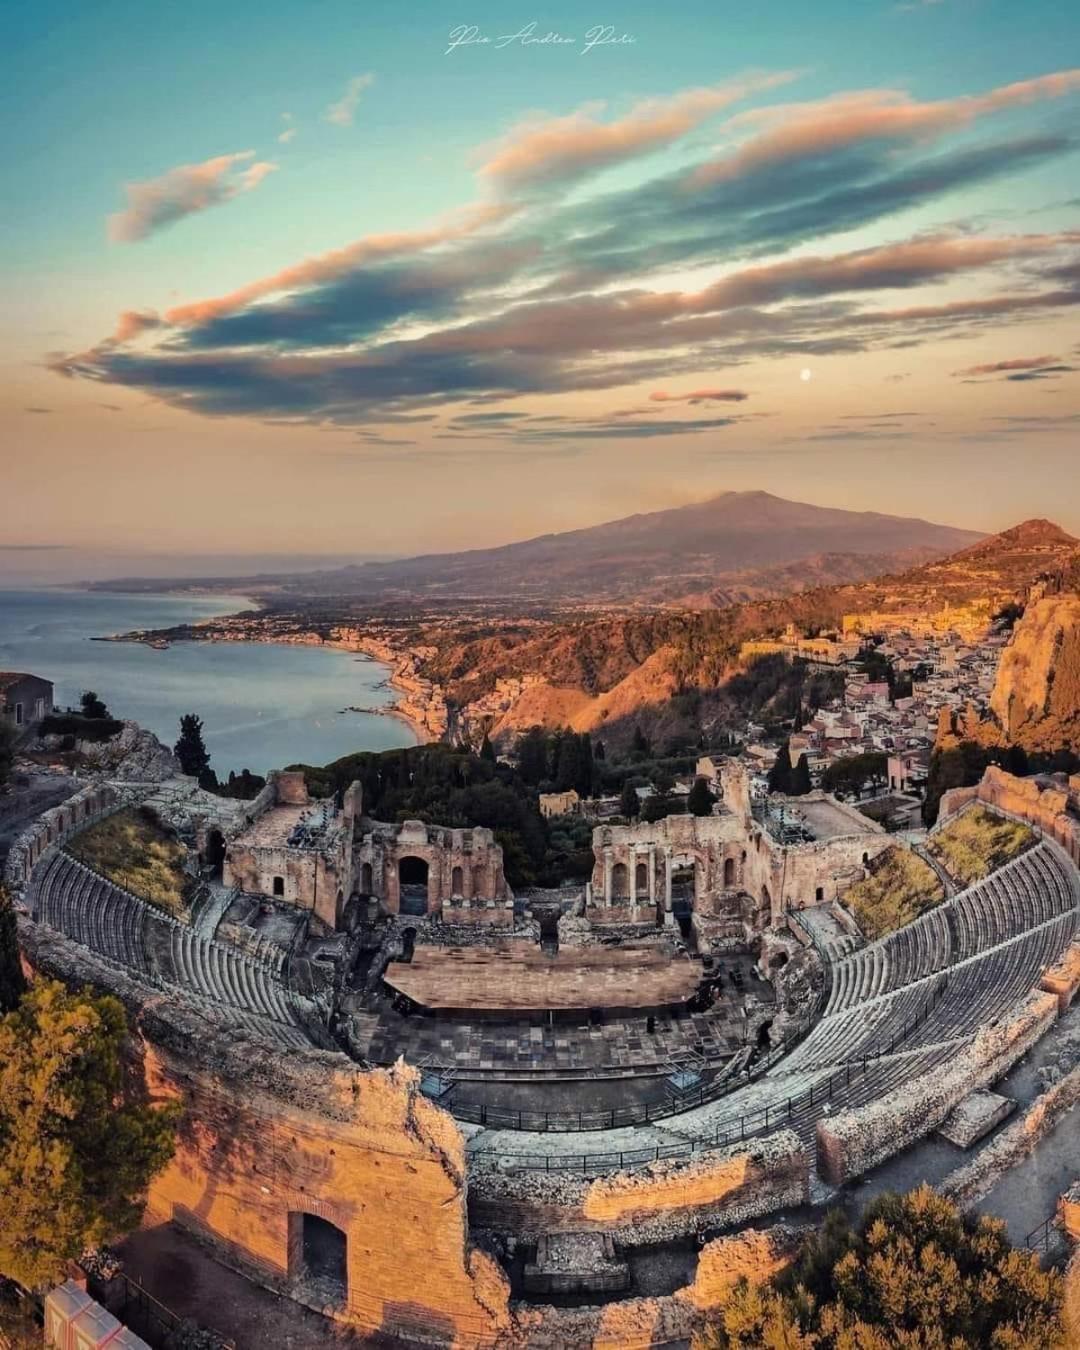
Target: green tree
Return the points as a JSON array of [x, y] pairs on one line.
[[12, 984], [487, 750], [7, 752], [629, 805], [190, 749], [800, 778], [700, 801], [92, 706], [639, 745], [533, 756], [656, 807], [914, 1273], [75, 1155], [780, 773], [599, 753]]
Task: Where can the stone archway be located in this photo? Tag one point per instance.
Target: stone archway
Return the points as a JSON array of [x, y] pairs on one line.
[[319, 1254], [413, 877], [729, 874], [457, 883], [641, 880], [620, 882], [365, 879]]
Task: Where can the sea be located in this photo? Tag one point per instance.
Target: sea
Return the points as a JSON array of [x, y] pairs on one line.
[[263, 705]]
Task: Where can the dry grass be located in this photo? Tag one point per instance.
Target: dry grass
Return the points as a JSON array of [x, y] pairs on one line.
[[132, 849], [976, 843], [899, 888]]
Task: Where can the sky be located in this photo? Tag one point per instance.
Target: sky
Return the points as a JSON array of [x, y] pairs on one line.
[[338, 277]]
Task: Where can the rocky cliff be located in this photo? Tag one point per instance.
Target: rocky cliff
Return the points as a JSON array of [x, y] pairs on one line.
[[1036, 698]]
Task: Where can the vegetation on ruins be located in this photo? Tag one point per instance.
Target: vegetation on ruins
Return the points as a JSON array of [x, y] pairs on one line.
[[913, 1272], [133, 849], [976, 842], [75, 1154], [190, 749], [900, 886], [12, 983]]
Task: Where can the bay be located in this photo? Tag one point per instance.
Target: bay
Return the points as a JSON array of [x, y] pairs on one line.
[[263, 705]]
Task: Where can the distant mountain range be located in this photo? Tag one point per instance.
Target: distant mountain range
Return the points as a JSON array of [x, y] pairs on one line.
[[736, 546], [603, 672]]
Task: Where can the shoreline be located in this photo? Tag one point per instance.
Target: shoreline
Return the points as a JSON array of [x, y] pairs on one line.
[[421, 705]]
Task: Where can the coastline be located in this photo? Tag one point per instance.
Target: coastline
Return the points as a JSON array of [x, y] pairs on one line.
[[421, 705]]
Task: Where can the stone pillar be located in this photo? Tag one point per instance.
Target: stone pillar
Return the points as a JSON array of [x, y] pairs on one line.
[[633, 879], [607, 876], [652, 874], [667, 880]]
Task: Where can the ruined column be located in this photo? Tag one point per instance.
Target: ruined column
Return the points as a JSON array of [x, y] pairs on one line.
[[633, 879], [667, 879], [652, 874], [607, 876]]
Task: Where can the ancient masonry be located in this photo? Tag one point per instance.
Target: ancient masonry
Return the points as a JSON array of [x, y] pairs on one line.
[[348, 1188]]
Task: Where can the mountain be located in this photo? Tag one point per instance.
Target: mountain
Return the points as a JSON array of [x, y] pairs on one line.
[[600, 671], [736, 546]]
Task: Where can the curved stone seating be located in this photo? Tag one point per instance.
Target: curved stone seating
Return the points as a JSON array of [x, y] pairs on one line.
[[898, 1008], [96, 913]]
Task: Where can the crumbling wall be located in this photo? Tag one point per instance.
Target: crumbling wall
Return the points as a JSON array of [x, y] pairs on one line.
[[972, 1181], [1050, 808], [852, 1142], [267, 1133], [661, 1201], [378, 1160], [54, 827], [636, 1323], [1063, 978]]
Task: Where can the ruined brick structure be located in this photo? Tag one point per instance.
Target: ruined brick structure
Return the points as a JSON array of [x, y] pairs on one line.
[[310, 854], [740, 863], [419, 869]]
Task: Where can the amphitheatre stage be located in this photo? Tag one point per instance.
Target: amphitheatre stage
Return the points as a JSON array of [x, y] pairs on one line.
[[515, 976], [530, 1104]]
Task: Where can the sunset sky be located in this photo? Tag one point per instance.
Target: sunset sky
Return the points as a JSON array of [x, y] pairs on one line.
[[309, 276]]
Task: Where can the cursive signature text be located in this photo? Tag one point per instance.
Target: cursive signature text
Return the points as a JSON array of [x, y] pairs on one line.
[[532, 35]]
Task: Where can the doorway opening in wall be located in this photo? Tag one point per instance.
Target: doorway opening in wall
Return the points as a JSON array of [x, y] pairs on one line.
[[279, 885], [682, 900], [318, 1254], [215, 851], [641, 881], [412, 886]]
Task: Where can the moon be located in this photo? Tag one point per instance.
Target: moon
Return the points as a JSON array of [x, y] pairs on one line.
[[804, 375]]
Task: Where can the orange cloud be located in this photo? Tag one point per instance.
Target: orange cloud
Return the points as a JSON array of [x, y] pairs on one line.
[[803, 129], [563, 149], [183, 191], [701, 396], [1017, 363], [132, 322], [326, 266]]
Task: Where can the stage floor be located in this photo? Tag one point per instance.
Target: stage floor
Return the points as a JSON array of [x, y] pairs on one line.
[[517, 977]]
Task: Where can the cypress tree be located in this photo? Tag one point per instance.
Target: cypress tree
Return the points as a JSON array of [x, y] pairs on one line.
[[800, 778], [190, 749], [780, 773]]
